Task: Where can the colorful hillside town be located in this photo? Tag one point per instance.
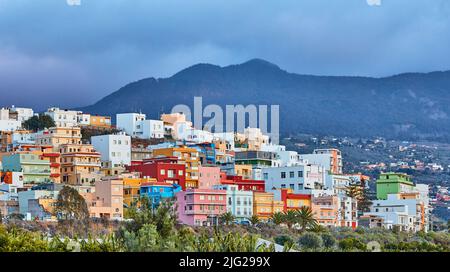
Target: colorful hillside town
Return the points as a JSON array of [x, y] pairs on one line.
[[205, 174]]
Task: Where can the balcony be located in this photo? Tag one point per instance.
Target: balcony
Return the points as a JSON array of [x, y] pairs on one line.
[[91, 164]]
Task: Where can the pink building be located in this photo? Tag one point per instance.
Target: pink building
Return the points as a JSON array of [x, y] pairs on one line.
[[201, 207], [209, 176], [107, 200]]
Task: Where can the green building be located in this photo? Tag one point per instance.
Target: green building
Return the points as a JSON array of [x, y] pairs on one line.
[[35, 170], [393, 183]]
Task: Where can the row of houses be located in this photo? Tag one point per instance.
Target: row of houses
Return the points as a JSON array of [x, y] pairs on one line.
[[205, 173]]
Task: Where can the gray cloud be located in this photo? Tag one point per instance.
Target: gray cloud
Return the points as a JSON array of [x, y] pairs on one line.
[[52, 53]]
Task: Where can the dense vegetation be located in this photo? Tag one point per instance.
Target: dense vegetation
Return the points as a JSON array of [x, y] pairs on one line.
[[157, 230]]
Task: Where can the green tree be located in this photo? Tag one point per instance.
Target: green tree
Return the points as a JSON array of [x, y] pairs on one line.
[[278, 218], [39, 122], [70, 205], [328, 240], [227, 218], [290, 218], [310, 240], [305, 218], [254, 219]]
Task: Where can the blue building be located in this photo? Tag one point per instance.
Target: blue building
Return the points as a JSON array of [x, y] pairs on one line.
[[156, 191], [207, 152]]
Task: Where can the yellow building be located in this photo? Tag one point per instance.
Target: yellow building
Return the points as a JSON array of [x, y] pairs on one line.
[[187, 156], [243, 170], [58, 136], [294, 201], [80, 164], [131, 189], [264, 205], [100, 121]]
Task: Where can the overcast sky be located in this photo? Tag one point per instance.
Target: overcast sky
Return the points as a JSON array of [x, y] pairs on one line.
[[52, 53]]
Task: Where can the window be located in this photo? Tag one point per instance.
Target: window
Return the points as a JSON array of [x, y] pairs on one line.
[[180, 172], [266, 176], [291, 186], [291, 174], [202, 197], [283, 175], [283, 186], [300, 174], [162, 171]]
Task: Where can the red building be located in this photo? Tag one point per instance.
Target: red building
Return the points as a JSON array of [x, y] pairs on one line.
[[164, 169], [243, 184], [294, 201]]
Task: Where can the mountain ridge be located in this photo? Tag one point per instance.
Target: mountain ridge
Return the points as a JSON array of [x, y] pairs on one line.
[[403, 105]]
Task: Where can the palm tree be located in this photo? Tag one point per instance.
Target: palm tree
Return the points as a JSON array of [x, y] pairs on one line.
[[254, 219], [290, 218], [305, 218], [278, 218], [227, 218]]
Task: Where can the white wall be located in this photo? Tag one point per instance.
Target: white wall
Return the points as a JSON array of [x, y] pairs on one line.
[[113, 148]]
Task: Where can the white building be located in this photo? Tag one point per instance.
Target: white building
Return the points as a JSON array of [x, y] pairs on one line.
[[113, 148], [84, 119], [298, 178], [63, 118], [396, 212], [239, 202], [348, 212], [136, 125], [153, 129], [337, 183], [330, 159], [23, 114], [10, 125]]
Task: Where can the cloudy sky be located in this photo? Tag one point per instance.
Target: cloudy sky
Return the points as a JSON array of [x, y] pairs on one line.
[[52, 53]]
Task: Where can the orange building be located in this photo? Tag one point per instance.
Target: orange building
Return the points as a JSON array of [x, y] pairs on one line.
[[80, 164], [107, 200], [264, 205], [187, 156], [325, 210], [294, 201], [57, 136], [100, 121]]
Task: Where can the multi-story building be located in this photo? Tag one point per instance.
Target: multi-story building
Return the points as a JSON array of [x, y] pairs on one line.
[[140, 153], [293, 201], [187, 156], [63, 117], [114, 148], [325, 209], [264, 205], [57, 136], [256, 158], [252, 139], [80, 164], [11, 141], [243, 184], [158, 191], [201, 207], [393, 183], [207, 153], [136, 125], [132, 189], [107, 200], [209, 176], [348, 212], [34, 168], [330, 159], [163, 169], [239, 202], [297, 178], [20, 114]]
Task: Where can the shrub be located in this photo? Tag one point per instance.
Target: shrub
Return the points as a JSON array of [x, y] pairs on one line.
[[328, 240], [310, 240], [351, 243]]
